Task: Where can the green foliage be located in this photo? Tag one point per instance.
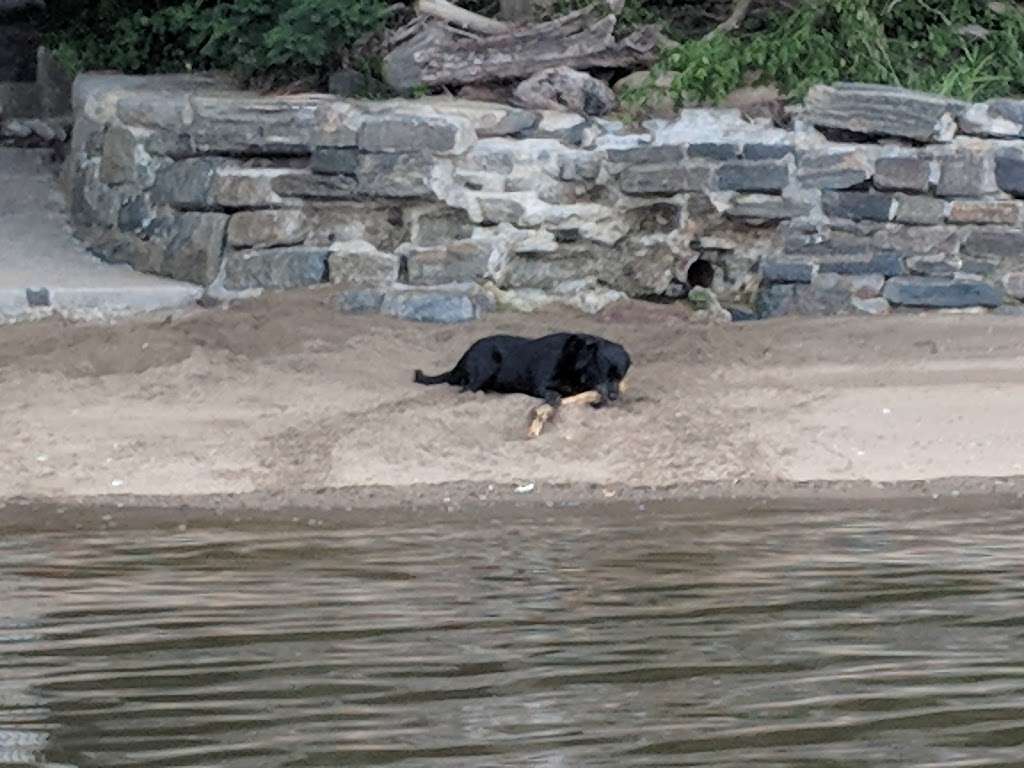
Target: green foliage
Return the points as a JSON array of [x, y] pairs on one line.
[[914, 43], [264, 41]]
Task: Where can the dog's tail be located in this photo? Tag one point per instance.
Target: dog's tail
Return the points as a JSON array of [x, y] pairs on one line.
[[442, 378]]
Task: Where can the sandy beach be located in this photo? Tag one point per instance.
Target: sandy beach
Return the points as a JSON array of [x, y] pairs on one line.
[[283, 402]]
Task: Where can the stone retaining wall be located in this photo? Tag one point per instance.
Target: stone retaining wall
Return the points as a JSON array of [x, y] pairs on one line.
[[876, 199]]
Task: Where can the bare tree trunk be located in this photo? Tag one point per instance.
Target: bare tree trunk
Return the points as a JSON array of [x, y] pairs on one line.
[[515, 10]]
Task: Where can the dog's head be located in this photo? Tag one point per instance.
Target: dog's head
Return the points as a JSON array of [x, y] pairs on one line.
[[598, 364]]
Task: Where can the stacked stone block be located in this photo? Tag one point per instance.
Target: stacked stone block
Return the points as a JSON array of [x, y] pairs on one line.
[[440, 207]]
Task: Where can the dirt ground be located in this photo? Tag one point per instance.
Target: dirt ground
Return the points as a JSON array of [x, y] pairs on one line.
[[284, 396]]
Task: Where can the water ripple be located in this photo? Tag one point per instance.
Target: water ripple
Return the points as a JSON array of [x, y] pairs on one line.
[[580, 638]]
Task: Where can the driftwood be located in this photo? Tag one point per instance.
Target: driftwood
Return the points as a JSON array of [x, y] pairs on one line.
[[542, 414], [460, 17], [439, 56]]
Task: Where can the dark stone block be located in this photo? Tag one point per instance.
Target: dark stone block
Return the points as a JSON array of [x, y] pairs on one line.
[[753, 176], [858, 206], [37, 297], [1010, 174], [939, 292], [767, 151], [965, 175], [664, 153], [886, 263], [712, 151], [664, 179], [782, 271], [994, 244], [902, 174], [335, 160], [275, 268]]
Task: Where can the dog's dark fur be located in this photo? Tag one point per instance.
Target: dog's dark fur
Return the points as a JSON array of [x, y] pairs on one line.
[[551, 367]]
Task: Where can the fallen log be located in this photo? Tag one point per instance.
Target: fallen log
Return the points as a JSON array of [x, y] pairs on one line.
[[438, 55]]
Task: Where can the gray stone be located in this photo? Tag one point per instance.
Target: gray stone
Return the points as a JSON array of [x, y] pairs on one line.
[[965, 175], [348, 83], [766, 208], [499, 210], [917, 239], [189, 246], [454, 304], [837, 170], [902, 174], [360, 263], [877, 110], [659, 218], [934, 264], [647, 154], [870, 206], [187, 184], [941, 293], [873, 306], [767, 151], [118, 163], [37, 297], [985, 120], [885, 263], [918, 209], [1010, 174], [442, 227], [787, 271], [826, 294], [155, 110], [664, 179], [136, 214], [713, 151], [238, 124], [359, 300], [274, 268], [564, 88], [316, 186], [985, 212], [263, 229], [93, 202], [461, 262], [409, 133], [383, 226], [753, 176], [396, 175], [343, 160], [245, 188], [1013, 284], [994, 244]]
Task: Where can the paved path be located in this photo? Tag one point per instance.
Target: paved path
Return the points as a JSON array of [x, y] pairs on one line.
[[40, 260]]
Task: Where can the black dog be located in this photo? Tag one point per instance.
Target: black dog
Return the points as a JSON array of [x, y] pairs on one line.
[[551, 367]]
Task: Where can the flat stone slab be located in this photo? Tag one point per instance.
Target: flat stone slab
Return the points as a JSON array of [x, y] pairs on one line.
[[43, 268]]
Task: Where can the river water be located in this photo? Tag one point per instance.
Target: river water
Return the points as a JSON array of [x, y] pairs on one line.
[[648, 637]]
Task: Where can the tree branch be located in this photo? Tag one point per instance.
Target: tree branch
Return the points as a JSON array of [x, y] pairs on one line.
[[740, 9]]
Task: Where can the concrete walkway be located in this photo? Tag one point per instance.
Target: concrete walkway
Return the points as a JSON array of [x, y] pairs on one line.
[[44, 269]]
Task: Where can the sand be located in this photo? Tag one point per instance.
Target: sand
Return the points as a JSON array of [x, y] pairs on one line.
[[283, 400]]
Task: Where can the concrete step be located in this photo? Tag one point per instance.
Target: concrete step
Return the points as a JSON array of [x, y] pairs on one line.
[[43, 268]]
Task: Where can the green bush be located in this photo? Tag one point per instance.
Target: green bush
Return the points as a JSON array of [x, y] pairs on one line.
[[967, 49], [262, 41]]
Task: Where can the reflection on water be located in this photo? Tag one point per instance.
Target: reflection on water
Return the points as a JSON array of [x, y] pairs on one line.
[[554, 638]]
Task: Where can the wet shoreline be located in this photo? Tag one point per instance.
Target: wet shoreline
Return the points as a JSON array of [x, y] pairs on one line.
[[341, 507]]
